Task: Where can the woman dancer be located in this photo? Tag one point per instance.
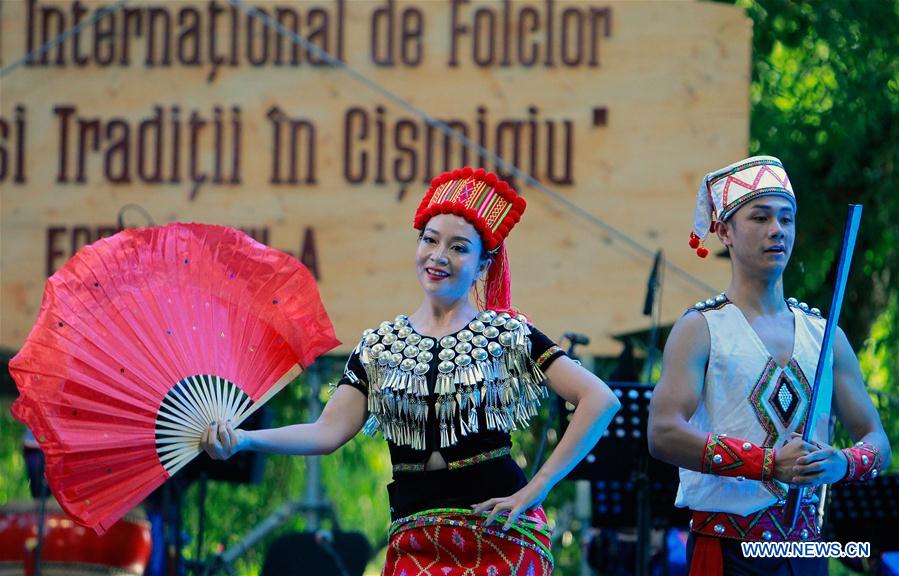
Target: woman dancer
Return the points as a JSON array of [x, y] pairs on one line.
[[445, 386]]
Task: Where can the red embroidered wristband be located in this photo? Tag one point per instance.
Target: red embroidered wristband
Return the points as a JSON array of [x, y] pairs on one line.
[[863, 462], [725, 456]]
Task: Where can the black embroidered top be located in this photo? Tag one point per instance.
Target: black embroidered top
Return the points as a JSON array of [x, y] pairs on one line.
[[461, 394]]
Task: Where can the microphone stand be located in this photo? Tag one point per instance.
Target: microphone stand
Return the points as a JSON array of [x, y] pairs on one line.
[[652, 308], [41, 520]]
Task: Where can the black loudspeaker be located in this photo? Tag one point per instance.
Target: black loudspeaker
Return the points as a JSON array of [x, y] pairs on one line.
[[242, 468], [867, 512], [317, 554]]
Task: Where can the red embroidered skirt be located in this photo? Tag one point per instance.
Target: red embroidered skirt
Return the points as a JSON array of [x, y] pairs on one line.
[[452, 541]]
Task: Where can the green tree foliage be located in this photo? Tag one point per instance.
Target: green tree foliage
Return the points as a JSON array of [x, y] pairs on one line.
[[825, 99]]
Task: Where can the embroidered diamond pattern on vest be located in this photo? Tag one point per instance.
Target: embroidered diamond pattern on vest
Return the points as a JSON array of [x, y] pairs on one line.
[[784, 399]]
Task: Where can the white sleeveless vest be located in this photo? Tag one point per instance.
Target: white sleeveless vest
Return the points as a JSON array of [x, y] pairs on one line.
[[748, 396]]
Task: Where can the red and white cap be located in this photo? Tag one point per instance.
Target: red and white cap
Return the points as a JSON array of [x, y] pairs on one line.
[[724, 191]]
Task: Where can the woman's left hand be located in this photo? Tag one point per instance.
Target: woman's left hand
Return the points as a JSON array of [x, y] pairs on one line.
[[529, 497]]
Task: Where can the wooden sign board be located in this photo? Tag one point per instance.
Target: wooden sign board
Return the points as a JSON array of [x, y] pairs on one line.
[[199, 111]]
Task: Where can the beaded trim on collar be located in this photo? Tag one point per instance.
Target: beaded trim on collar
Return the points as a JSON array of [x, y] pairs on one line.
[[484, 368], [719, 301]]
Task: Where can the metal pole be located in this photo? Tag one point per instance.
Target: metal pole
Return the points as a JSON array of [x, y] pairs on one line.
[[653, 308], [584, 513], [313, 469]]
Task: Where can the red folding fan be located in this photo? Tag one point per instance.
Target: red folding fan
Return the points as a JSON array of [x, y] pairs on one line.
[[145, 338]]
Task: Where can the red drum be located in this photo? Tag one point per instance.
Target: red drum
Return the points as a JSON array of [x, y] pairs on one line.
[[69, 548]]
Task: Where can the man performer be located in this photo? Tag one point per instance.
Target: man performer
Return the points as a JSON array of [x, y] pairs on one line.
[[734, 394]]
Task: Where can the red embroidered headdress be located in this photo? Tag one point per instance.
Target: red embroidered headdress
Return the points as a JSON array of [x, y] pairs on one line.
[[492, 207]]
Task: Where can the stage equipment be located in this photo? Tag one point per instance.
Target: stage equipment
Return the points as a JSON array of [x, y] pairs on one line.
[[555, 402], [867, 512], [324, 553], [144, 339], [613, 468], [68, 548], [652, 307]]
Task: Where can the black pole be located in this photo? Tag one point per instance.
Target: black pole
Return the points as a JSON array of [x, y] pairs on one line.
[[179, 541], [41, 520], [201, 513], [652, 308]]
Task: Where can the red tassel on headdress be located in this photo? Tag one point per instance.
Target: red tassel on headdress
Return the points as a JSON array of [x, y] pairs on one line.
[[498, 285]]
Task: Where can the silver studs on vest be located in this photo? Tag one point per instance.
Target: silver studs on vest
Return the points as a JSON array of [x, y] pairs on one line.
[[804, 307], [710, 302]]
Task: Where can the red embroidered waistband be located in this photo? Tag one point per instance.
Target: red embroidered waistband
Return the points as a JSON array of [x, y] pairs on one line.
[[765, 525]]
